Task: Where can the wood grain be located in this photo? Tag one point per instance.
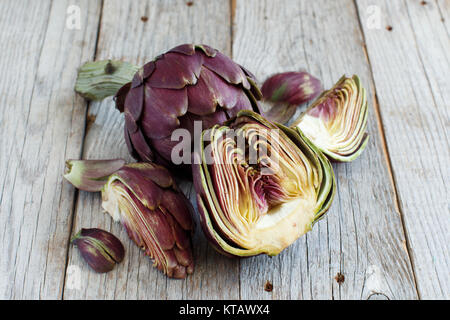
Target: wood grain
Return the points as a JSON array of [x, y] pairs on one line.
[[388, 228], [443, 6], [125, 36], [362, 236], [42, 123], [410, 68]]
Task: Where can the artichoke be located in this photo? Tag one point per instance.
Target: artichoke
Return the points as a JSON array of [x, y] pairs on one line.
[[336, 121], [101, 249], [144, 197], [188, 83], [286, 91], [259, 186], [101, 79]]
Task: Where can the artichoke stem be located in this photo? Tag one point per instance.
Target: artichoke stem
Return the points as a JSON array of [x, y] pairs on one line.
[[100, 79]]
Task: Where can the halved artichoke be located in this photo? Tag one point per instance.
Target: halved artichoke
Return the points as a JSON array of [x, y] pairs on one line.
[[259, 186], [336, 121], [145, 199]]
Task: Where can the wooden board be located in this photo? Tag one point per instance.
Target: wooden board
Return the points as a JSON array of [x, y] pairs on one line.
[[411, 64], [42, 124], [362, 232], [388, 229]]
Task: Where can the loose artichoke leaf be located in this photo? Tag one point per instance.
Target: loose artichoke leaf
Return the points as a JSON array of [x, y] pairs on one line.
[[100, 79]]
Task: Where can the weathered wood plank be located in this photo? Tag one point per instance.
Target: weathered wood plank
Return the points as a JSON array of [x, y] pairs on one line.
[[125, 36], [443, 7], [410, 67], [42, 124], [362, 236]]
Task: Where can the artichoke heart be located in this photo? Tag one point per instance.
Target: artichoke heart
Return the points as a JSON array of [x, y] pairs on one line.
[[260, 186], [336, 121]]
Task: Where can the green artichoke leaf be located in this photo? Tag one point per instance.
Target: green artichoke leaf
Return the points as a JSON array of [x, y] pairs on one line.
[[100, 79]]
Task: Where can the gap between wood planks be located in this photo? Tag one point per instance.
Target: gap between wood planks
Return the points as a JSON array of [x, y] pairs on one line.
[[232, 15], [86, 124], [385, 148]]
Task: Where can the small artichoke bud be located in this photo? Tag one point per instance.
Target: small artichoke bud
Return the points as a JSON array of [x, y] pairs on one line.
[[286, 91], [99, 248]]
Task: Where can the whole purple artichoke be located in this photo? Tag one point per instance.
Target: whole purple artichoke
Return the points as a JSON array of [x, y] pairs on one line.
[[186, 84]]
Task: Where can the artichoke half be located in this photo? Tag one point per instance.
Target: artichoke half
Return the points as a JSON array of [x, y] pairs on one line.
[[336, 121], [259, 186], [146, 200]]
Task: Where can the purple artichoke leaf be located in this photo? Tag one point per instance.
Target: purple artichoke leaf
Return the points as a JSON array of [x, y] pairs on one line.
[[91, 175], [227, 69], [175, 71]]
